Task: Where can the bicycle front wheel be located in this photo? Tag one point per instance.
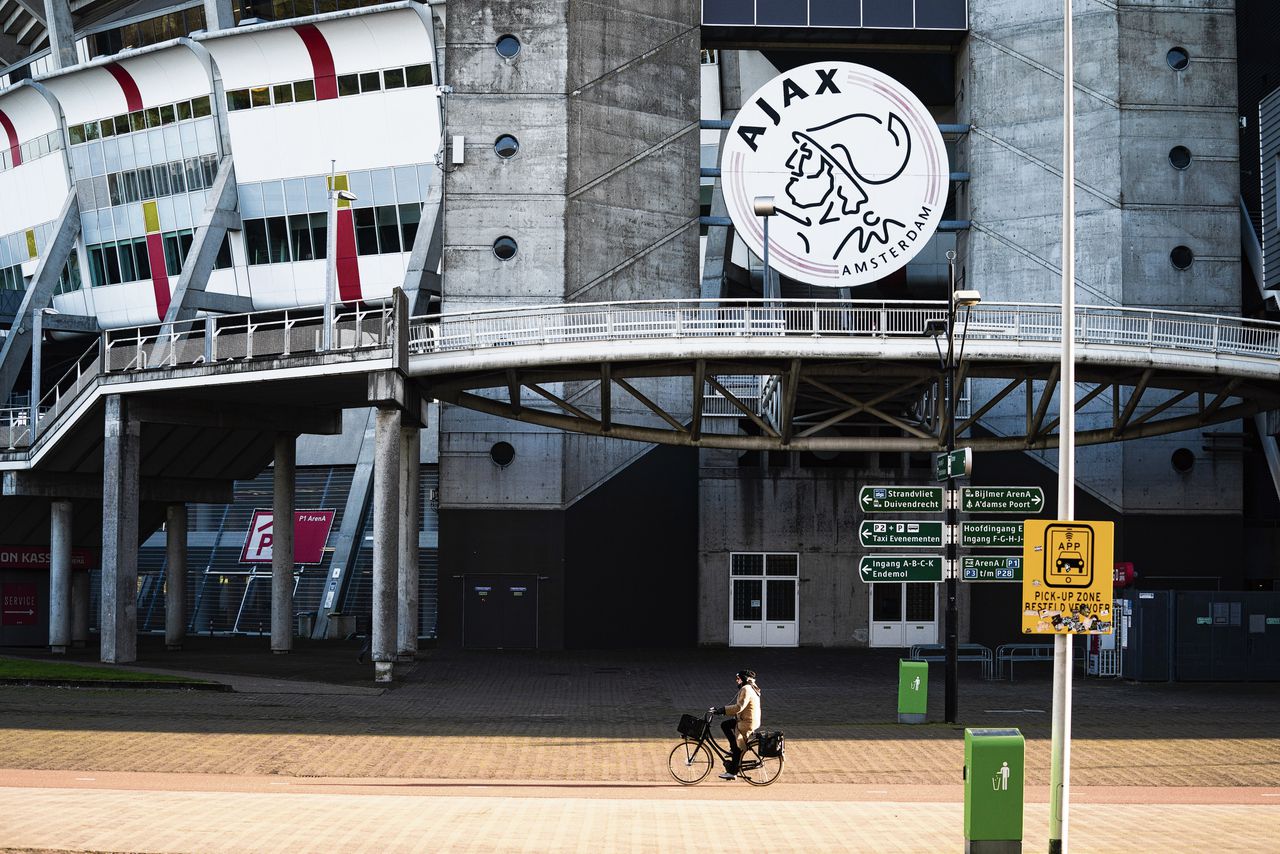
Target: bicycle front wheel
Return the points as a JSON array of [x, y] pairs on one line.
[[690, 762], [759, 770]]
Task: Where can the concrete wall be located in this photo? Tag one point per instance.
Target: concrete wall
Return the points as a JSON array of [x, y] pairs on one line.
[[790, 509], [1133, 207], [602, 199]]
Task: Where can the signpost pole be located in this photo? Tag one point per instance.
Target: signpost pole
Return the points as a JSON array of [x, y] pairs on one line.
[[952, 675], [1060, 736]]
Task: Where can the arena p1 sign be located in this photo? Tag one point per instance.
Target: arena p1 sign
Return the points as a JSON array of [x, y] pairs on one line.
[[855, 164]]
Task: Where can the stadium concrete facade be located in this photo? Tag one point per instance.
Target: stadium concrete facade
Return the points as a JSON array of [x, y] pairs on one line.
[[224, 168]]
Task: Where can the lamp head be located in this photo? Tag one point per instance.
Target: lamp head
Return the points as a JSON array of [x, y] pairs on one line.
[[764, 206], [935, 328], [346, 195], [966, 298]]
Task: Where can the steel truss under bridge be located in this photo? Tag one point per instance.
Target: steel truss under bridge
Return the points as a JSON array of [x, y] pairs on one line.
[[837, 375]]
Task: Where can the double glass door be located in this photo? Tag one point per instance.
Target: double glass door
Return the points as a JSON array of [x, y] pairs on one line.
[[903, 614], [764, 599]]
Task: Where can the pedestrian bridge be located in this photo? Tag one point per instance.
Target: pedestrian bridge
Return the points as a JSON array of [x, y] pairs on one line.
[[801, 374]]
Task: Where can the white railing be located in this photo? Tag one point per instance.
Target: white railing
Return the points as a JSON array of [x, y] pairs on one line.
[[1030, 322], [236, 337]]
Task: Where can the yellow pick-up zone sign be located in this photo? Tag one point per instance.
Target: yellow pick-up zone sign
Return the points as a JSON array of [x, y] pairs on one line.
[[1067, 580]]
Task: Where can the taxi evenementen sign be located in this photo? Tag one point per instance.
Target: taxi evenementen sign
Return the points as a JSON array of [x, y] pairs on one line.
[[1066, 577]]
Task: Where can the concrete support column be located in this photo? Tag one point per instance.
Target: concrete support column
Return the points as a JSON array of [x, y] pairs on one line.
[[119, 620], [175, 583], [62, 38], [282, 544], [80, 608], [217, 15], [386, 540], [60, 576], [410, 523]]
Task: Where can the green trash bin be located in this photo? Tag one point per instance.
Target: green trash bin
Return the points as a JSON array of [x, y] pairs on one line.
[[913, 691], [993, 767]]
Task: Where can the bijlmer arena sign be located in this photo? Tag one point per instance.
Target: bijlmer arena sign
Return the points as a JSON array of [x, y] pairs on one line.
[[855, 164]]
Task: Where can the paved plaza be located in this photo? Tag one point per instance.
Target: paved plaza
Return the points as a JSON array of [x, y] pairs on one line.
[[567, 752]]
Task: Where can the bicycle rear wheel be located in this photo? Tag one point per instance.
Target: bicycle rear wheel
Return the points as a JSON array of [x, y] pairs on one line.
[[759, 770], [690, 762]]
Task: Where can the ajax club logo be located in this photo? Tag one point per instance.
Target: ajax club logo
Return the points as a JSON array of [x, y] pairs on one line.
[[855, 164]]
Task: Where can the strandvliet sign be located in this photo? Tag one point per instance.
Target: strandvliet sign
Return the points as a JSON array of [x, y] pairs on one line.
[[856, 167]]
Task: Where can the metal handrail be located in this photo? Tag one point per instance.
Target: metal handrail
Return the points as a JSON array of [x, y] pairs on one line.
[[1017, 322]]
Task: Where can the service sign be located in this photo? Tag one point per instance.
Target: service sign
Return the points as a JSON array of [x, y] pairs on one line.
[[855, 165], [1067, 577]]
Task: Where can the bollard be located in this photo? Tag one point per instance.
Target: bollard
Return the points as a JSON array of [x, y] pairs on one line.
[[913, 691], [993, 791]]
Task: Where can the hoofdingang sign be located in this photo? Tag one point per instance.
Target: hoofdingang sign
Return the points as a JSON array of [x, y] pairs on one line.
[[856, 167]]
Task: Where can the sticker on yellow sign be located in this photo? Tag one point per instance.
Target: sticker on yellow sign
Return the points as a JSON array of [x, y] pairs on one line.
[[1066, 577]]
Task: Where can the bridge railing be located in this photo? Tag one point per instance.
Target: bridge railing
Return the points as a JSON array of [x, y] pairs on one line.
[[256, 335], [1100, 325]]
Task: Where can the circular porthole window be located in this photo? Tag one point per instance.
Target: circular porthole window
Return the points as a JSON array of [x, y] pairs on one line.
[[1180, 157], [506, 146], [1182, 460], [1181, 257], [1178, 58], [507, 46], [502, 453], [505, 248]]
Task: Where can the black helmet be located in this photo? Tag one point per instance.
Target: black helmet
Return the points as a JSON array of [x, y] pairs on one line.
[[746, 675]]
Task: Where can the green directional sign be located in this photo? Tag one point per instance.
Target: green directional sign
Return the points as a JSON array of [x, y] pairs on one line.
[[900, 568], [958, 463], [990, 568], [1024, 500], [1001, 535], [899, 499], [899, 534]]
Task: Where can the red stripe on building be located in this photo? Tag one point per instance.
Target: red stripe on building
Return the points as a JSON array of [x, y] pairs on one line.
[[348, 265], [159, 275], [321, 61], [15, 150], [132, 97]]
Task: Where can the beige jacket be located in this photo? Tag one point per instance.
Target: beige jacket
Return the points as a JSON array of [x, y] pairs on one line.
[[746, 708]]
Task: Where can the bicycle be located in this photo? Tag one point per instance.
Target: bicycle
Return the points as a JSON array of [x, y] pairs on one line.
[[691, 760]]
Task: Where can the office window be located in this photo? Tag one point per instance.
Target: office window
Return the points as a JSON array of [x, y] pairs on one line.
[[394, 78], [223, 261], [300, 237], [277, 240], [255, 241], [238, 99], [304, 90], [283, 93], [410, 216], [370, 81], [388, 228], [168, 114], [260, 96], [320, 234], [348, 84], [366, 231], [184, 107], [418, 75], [201, 107]]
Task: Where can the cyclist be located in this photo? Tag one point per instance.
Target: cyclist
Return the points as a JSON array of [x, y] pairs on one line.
[[744, 719]]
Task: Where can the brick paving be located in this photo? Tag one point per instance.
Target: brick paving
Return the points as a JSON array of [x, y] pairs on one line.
[[607, 719]]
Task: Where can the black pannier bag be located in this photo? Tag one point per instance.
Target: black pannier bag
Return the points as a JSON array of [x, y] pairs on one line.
[[771, 743], [692, 728]]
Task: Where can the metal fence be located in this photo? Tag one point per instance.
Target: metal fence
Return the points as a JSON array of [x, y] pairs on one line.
[[1099, 325]]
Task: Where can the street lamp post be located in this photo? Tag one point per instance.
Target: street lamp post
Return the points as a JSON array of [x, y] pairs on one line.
[[331, 258], [955, 300], [766, 209]]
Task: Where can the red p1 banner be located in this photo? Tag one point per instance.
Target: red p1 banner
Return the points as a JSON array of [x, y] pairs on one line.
[[310, 533], [18, 604], [38, 557]]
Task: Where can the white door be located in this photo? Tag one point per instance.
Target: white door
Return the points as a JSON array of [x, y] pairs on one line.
[[746, 626], [780, 603], [903, 614], [764, 599]]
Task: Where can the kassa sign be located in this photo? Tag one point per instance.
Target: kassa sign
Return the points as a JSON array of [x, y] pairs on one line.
[[855, 165]]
